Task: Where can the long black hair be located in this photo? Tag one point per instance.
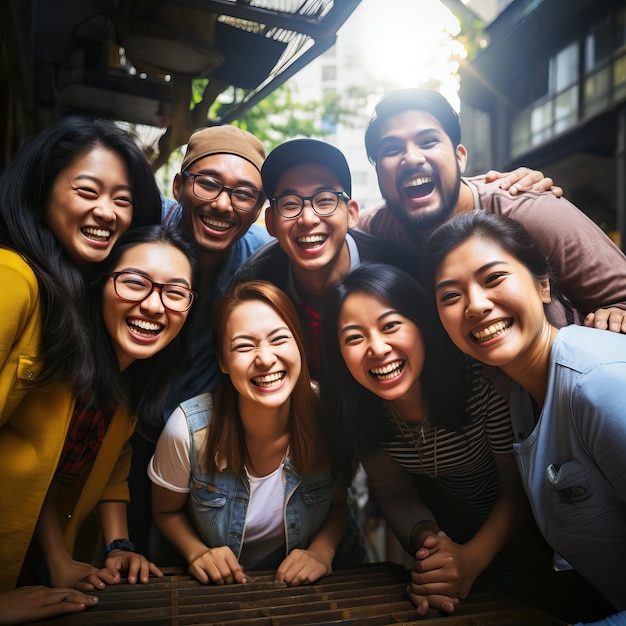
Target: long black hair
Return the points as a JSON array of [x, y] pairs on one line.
[[355, 418], [25, 188], [503, 231], [143, 386]]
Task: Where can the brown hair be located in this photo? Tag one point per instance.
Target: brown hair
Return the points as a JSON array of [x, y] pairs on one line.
[[225, 444]]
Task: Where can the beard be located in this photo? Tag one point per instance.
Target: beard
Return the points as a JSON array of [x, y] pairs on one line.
[[424, 224]]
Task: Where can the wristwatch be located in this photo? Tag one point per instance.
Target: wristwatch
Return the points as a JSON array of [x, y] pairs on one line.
[[120, 544]]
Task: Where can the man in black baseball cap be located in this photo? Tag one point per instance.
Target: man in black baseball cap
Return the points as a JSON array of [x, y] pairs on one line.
[[312, 216]]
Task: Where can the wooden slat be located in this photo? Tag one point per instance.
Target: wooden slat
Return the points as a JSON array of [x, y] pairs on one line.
[[372, 595]]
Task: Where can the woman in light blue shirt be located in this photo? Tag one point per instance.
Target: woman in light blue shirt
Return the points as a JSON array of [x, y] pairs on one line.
[[568, 395]]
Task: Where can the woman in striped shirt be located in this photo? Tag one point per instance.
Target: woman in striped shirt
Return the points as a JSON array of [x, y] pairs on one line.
[[431, 431]]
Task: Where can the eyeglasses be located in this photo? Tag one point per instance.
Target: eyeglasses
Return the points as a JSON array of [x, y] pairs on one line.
[[134, 287], [324, 203], [209, 188]]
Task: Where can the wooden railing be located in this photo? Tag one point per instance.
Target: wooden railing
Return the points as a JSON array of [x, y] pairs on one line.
[[370, 595]]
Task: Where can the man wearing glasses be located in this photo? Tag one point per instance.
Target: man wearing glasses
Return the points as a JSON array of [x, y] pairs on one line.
[[311, 214], [219, 196]]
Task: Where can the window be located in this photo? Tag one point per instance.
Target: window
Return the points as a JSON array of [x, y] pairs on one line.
[[564, 68], [566, 109], [597, 91], [520, 137], [620, 29], [598, 46], [541, 123]]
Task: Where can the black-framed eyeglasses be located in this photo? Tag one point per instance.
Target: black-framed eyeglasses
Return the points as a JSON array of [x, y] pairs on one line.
[[324, 203], [208, 188], [134, 287]]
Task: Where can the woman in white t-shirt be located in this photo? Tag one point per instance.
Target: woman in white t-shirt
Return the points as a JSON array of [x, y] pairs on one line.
[[250, 459]]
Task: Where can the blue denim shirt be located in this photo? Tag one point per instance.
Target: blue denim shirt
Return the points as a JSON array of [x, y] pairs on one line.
[[219, 502], [199, 371]]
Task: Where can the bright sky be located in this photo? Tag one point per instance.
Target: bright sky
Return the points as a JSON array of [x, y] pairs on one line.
[[409, 42]]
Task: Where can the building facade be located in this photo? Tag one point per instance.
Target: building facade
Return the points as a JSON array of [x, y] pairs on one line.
[[549, 92]]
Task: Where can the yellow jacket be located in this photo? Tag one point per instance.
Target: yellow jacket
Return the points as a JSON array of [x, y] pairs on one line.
[[33, 427], [31, 443], [20, 330]]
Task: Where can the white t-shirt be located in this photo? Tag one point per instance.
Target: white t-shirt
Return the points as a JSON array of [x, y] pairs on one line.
[[170, 466], [264, 532]]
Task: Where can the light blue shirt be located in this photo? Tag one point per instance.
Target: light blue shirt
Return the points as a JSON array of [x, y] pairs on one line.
[[573, 460]]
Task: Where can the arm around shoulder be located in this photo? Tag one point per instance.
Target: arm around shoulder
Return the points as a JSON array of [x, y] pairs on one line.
[[589, 267]]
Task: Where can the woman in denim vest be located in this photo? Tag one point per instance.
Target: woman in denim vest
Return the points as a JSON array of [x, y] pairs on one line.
[[250, 460]]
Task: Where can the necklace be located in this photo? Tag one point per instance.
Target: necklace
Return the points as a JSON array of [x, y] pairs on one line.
[[409, 436]]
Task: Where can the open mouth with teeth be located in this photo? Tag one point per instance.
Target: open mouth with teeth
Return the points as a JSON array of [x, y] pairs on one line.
[[419, 186], [216, 224], [144, 328], [96, 234], [389, 371], [492, 331], [269, 380], [311, 241]]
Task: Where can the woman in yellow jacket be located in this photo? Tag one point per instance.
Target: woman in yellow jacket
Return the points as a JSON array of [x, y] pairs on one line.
[[62, 456], [65, 200]]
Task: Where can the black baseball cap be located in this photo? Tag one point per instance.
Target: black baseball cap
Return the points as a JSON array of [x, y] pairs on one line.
[[413, 99], [304, 152]]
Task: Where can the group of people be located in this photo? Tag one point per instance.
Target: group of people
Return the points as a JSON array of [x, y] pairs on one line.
[[175, 357]]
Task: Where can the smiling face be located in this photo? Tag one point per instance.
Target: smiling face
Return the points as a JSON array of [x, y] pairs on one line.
[[418, 168], [491, 305], [313, 242], [90, 205], [382, 349], [260, 355], [139, 330], [215, 224]]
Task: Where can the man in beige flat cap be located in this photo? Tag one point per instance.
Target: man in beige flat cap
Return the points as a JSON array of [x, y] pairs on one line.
[[219, 195]]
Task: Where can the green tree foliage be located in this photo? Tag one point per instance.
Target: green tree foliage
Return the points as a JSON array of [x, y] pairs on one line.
[[282, 116], [471, 34]]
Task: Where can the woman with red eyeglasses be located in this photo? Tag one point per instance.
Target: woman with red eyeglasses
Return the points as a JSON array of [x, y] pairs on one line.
[[76, 461]]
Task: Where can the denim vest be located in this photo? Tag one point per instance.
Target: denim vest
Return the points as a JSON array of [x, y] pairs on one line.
[[219, 502]]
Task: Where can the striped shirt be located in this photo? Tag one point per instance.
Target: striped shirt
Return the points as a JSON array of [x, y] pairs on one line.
[[462, 461]]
